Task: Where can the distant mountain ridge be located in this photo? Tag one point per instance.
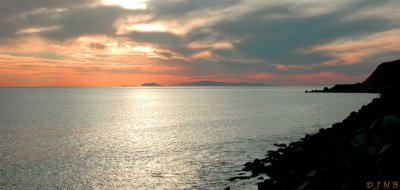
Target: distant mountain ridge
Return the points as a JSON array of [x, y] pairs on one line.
[[214, 83], [151, 84], [386, 77]]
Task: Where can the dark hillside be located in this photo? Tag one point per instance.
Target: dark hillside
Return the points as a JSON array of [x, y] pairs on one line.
[[386, 77]]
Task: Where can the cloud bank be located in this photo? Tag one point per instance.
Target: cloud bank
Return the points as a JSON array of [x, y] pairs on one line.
[[114, 42]]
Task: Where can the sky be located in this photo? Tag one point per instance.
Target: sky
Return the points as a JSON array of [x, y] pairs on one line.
[[130, 42]]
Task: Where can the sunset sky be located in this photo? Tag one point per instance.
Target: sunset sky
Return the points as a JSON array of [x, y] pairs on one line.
[[130, 42]]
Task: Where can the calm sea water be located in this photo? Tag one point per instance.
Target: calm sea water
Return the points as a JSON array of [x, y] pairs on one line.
[[152, 138]]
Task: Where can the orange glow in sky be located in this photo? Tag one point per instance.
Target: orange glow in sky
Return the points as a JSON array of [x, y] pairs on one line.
[[130, 42]]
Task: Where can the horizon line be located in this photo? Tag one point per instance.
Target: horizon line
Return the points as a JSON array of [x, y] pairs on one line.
[[132, 86]]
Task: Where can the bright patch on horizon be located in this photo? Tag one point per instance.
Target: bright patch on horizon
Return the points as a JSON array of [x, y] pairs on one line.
[[128, 4]]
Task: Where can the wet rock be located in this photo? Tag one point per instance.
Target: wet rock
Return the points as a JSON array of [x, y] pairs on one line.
[[391, 120], [312, 173], [280, 145], [267, 184], [302, 187], [359, 140], [257, 167], [247, 166], [384, 148], [239, 177]]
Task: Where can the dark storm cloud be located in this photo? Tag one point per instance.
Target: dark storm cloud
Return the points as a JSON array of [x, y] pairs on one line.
[[278, 40], [74, 18], [87, 21], [164, 39], [178, 8], [17, 14], [12, 8], [18, 6], [274, 33], [7, 29]]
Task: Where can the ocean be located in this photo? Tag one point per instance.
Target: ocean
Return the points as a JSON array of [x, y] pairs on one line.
[[153, 137]]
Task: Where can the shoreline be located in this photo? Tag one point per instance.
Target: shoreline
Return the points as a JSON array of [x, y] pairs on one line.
[[360, 149], [361, 152]]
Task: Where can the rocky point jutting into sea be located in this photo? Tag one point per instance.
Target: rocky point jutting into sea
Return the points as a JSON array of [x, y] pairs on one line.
[[361, 152], [386, 77]]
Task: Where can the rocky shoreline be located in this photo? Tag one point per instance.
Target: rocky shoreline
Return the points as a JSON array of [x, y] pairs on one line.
[[361, 152], [361, 149]]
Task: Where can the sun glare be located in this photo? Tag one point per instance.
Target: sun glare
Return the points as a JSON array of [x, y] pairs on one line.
[[127, 4]]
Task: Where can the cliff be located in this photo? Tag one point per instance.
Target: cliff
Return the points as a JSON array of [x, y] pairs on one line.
[[386, 77]]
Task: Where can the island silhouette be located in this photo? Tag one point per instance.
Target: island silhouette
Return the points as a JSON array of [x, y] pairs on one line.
[[151, 84], [207, 83], [215, 83]]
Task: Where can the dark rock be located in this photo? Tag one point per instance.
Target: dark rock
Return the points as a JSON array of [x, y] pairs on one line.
[[257, 167], [312, 173], [239, 177], [280, 145], [391, 120], [267, 184], [384, 148], [247, 166], [302, 187]]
